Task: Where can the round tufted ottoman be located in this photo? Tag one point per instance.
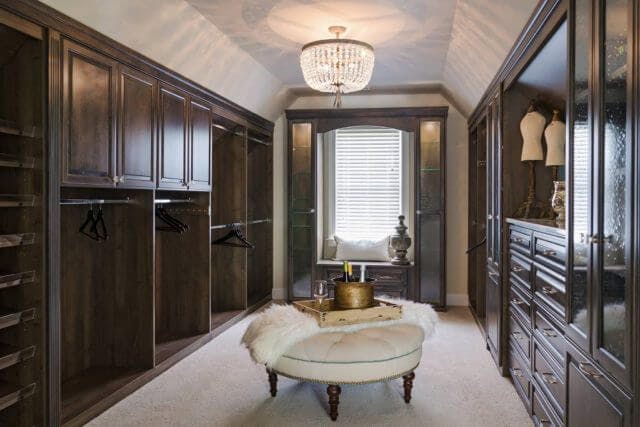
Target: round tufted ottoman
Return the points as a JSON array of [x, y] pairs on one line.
[[359, 357]]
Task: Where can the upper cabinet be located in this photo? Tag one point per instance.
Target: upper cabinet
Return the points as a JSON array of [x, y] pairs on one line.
[[137, 129], [172, 156], [88, 117], [124, 128], [199, 146], [184, 158]]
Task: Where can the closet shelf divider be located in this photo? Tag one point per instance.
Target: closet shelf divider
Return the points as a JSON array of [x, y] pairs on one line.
[[9, 280], [18, 239], [16, 200], [11, 394], [9, 161], [9, 317], [8, 127], [10, 355]]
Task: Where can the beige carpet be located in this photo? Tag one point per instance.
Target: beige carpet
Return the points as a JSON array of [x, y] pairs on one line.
[[456, 384]]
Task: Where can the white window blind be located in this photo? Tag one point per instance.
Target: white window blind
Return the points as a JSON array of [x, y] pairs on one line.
[[368, 181]]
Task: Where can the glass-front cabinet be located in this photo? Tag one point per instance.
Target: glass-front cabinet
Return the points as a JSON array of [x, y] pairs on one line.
[[602, 192], [430, 213], [302, 214]]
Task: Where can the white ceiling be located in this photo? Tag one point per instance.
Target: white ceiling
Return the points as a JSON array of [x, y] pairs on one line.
[[458, 43]]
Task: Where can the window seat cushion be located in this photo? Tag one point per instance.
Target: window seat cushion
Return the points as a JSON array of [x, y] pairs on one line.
[[362, 250]]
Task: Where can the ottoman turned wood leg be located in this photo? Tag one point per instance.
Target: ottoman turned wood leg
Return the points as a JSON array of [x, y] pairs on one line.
[[273, 382], [408, 384], [334, 399]]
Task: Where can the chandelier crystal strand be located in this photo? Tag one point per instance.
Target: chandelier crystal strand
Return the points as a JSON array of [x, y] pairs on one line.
[[337, 65]]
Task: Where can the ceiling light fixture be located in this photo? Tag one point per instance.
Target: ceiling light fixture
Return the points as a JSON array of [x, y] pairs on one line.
[[337, 65]]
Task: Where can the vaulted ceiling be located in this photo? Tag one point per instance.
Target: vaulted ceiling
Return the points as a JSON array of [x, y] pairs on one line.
[[247, 50], [456, 43]]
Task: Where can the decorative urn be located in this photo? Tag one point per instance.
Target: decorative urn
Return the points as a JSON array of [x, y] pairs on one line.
[[557, 202], [400, 243]]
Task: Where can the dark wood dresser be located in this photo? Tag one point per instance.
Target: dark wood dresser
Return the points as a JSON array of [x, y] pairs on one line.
[[390, 280]]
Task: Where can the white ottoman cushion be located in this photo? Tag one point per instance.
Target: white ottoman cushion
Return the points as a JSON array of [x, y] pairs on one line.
[[366, 355]]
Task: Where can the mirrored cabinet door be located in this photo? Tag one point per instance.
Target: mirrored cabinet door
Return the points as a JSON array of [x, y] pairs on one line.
[[302, 216], [579, 185], [431, 213], [613, 241]]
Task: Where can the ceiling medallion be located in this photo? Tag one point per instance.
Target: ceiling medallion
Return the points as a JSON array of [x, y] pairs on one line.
[[337, 65]]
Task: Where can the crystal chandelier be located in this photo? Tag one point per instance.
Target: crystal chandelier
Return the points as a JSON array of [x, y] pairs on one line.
[[337, 65]]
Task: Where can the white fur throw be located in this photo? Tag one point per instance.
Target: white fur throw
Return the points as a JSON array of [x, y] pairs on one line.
[[279, 327]]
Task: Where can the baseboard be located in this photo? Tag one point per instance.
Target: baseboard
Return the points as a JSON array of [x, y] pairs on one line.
[[279, 294], [456, 300]]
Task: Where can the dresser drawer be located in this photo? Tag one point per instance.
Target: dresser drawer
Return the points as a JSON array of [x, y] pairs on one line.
[[550, 377], [520, 269], [547, 331], [390, 291], [519, 371], [520, 240], [520, 304], [550, 253], [549, 288], [543, 414], [388, 275], [519, 336]]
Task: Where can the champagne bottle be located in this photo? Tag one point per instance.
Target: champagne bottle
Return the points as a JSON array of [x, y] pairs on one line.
[[345, 271], [363, 273], [350, 273]]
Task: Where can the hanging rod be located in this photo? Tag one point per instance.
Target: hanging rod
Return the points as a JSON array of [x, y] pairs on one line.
[[250, 138], [240, 224], [95, 201], [167, 201], [226, 129]]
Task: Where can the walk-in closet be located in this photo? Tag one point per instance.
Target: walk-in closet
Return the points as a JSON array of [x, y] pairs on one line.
[[23, 238]]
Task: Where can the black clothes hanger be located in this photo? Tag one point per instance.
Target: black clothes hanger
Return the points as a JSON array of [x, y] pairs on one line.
[[97, 227], [173, 224], [237, 234]]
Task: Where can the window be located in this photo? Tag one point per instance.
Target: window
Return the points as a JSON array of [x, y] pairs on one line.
[[368, 181]]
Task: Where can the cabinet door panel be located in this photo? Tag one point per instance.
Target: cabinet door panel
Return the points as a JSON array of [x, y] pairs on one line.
[[137, 106], [199, 147], [173, 139], [88, 101], [493, 313]]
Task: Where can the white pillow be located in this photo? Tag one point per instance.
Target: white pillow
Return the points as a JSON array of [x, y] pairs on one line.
[[362, 250]]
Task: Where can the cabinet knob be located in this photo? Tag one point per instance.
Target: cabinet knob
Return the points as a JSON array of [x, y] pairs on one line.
[[517, 372], [548, 332], [121, 179], [588, 369], [549, 378], [115, 179]]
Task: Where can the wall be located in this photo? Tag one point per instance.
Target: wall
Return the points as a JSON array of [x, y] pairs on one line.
[[176, 35], [457, 158]]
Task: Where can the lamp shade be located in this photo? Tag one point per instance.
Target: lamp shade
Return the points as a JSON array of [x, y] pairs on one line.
[[531, 128], [555, 136]]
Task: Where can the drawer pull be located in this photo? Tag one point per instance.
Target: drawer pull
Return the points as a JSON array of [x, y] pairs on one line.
[[548, 332], [549, 378], [519, 240], [587, 369], [549, 252], [517, 269], [547, 290], [516, 301], [517, 372], [492, 274], [518, 335], [385, 277]]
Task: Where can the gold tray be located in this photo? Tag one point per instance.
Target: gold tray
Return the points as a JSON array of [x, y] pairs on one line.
[[328, 314]]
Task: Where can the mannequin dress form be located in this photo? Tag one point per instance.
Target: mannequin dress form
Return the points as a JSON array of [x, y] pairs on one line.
[[531, 129], [555, 136]]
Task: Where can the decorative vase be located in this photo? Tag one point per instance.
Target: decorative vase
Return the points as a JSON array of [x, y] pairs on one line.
[[400, 242], [557, 202]]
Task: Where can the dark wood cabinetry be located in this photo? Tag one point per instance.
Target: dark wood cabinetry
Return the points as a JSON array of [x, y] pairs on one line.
[[390, 280], [425, 280], [137, 129], [173, 146], [570, 293], [90, 129], [89, 82]]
